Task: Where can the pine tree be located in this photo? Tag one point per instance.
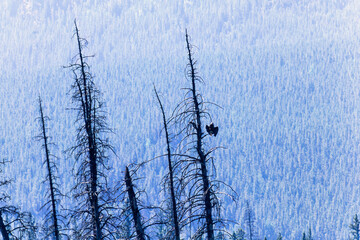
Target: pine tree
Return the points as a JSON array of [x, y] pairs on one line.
[[310, 234], [238, 235], [355, 228], [220, 236], [279, 237], [249, 219], [304, 236], [309, 237]]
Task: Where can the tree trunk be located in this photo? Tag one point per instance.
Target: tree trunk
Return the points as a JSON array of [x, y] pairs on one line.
[[47, 155], [171, 174], [202, 157], [3, 230], [134, 206], [88, 120]]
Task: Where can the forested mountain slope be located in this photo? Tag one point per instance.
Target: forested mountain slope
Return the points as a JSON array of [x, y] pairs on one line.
[[286, 74]]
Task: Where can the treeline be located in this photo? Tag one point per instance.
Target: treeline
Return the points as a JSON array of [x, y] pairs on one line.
[[193, 204]]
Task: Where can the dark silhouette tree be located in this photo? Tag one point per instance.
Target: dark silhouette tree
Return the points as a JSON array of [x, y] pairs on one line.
[[310, 234], [140, 233], [303, 236], [170, 177], [195, 163], [3, 199], [12, 220], [355, 228], [238, 235], [4, 231], [196, 124], [53, 191], [95, 208]]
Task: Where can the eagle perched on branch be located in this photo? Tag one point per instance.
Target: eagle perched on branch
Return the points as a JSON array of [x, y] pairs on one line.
[[212, 130]]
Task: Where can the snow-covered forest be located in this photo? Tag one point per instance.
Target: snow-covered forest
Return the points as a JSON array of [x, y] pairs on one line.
[[285, 73]]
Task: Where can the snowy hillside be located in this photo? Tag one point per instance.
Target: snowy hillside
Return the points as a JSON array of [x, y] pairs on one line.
[[286, 74]]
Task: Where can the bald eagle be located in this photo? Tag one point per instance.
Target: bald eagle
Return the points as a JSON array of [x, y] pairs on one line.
[[212, 130]]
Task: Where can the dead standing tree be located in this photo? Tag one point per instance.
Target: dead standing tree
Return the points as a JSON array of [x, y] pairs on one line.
[[133, 224], [3, 199], [170, 177], [140, 233], [53, 191], [203, 206], [12, 220], [95, 210]]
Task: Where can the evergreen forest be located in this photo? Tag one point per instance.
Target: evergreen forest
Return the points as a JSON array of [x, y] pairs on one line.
[[217, 120]]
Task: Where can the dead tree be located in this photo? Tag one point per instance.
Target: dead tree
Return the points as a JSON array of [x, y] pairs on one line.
[[3, 199], [197, 125], [95, 208], [140, 233], [3, 229], [12, 220], [195, 163], [174, 210], [53, 190]]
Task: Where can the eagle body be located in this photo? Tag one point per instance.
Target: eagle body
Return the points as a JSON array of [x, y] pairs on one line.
[[212, 130]]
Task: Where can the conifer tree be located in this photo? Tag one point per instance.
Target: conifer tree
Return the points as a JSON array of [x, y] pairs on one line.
[[220, 236], [249, 219], [355, 228], [303, 236], [238, 235], [310, 234]]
